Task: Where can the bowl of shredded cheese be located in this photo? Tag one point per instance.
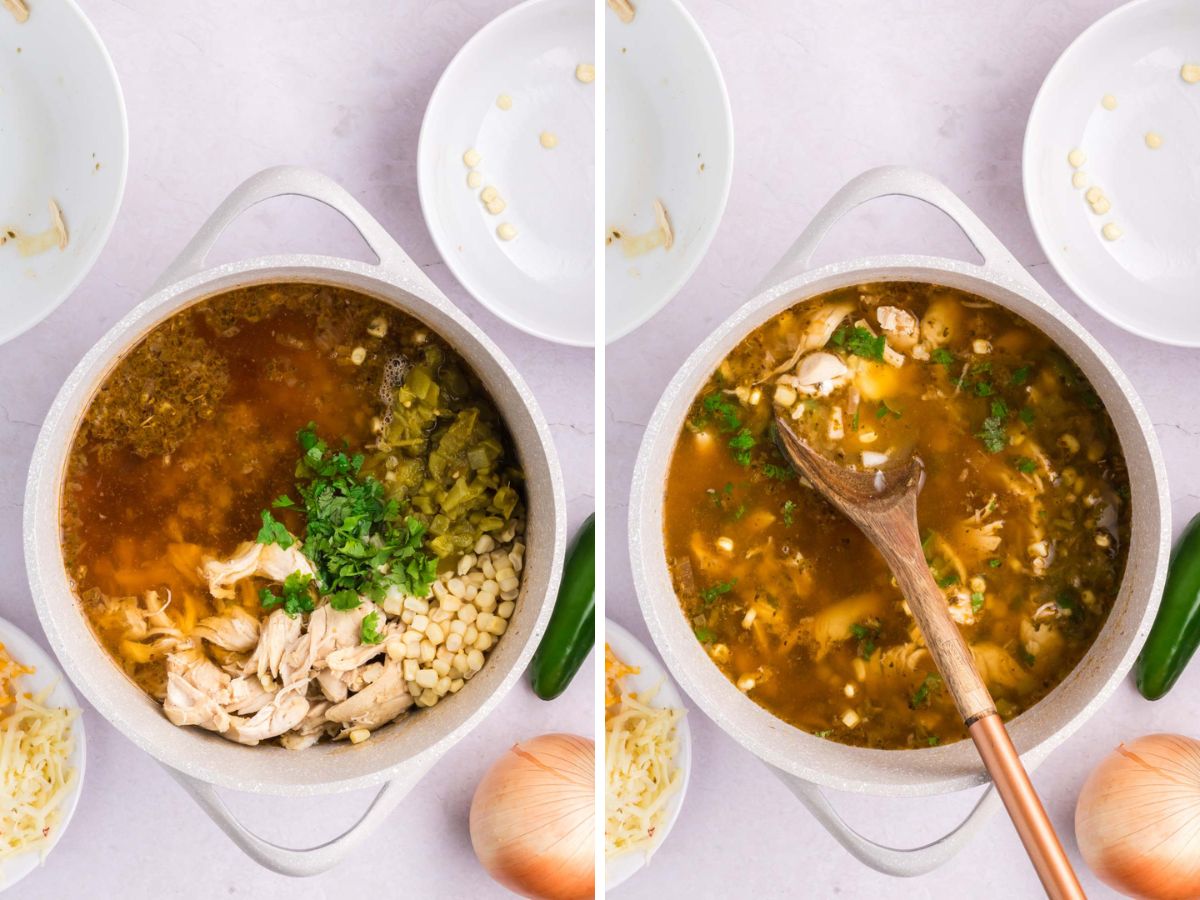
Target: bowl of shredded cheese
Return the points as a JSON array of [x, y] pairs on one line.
[[42, 750], [647, 754]]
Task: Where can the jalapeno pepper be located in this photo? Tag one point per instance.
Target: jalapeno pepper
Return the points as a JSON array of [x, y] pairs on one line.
[[571, 634], [1176, 631]]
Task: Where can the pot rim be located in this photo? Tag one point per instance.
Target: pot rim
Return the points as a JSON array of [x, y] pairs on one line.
[[60, 614], [862, 770]]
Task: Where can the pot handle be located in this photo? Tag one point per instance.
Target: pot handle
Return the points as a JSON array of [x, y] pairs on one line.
[[305, 862], [905, 863], [282, 181], [901, 181]]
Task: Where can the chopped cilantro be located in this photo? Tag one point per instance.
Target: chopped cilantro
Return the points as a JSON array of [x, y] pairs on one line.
[[932, 682], [859, 341], [976, 601], [823, 733], [1025, 464], [994, 563], [741, 444], [344, 600], [789, 507], [1026, 415], [356, 537], [983, 389], [704, 635], [1019, 376], [273, 532], [999, 409], [370, 629], [933, 740], [779, 473], [708, 595], [739, 512], [946, 580], [884, 409], [1028, 658], [854, 421], [942, 357], [867, 635], [295, 599], [726, 413], [283, 501]]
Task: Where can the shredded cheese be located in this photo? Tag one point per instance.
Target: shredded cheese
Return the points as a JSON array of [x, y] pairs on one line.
[[641, 744], [35, 744]]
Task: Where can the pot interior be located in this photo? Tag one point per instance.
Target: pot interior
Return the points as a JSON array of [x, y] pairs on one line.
[[937, 769], [326, 766]]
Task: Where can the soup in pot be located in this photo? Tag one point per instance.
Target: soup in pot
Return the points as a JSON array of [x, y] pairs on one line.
[[1024, 511], [291, 512]]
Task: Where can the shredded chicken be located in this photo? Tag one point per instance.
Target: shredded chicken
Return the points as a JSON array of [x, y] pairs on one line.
[[253, 559]]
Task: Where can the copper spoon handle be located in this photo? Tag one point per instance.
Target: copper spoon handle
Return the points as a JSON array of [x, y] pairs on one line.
[[884, 507], [894, 535]]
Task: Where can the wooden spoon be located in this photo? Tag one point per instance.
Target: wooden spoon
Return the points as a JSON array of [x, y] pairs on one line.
[[884, 507]]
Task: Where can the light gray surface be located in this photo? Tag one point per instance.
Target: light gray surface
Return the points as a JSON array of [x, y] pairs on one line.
[[818, 97], [212, 98]]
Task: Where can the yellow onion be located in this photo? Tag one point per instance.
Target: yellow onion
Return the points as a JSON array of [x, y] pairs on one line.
[[1138, 818], [533, 818]]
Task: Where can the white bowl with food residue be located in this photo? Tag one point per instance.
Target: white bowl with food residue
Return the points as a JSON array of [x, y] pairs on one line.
[[202, 757], [668, 157], [652, 685], [506, 168], [52, 694], [64, 150], [1109, 168]]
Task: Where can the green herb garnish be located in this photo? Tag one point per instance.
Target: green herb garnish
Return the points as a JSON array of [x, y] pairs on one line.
[[779, 473], [1019, 376], [708, 595], [789, 507], [273, 532], [994, 563], [946, 580], [976, 601], [356, 537], [344, 600], [884, 409], [859, 341], [1026, 415], [704, 635], [984, 389], [932, 682], [993, 434], [295, 599], [741, 444], [867, 635], [1025, 464], [942, 357], [370, 629]]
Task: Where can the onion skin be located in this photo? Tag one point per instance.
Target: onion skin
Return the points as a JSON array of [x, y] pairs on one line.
[[1138, 818], [533, 818]]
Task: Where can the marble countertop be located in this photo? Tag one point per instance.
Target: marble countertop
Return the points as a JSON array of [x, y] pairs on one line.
[[821, 92], [216, 93]]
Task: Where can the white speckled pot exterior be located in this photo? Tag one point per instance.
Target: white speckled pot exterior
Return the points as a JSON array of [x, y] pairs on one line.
[[394, 753], [805, 760]]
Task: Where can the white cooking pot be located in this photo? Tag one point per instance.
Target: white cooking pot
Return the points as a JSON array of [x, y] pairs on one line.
[[807, 763], [400, 754]]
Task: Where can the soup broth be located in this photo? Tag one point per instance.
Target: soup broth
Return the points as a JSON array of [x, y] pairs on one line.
[[1024, 511], [211, 430]]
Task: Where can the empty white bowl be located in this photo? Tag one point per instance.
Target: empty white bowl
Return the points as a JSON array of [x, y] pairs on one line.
[[1146, 280], [668, 136], [26, 651], [63, 136], [651, 679], [542, 281]]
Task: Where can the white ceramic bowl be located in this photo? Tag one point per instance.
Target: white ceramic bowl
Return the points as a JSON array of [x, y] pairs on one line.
[[652, 678], [1146, 280], [542, 281], [26, 651], [668, 136], [401, 753], [63, 136], [805, 762]]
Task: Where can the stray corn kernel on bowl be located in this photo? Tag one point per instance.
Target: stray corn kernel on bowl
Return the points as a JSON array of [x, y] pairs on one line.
[[513, 617]]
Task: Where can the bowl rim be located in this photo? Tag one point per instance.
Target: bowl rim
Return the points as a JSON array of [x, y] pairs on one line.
[[58, 612], [864, 770], [104, 232], [710, 226]]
